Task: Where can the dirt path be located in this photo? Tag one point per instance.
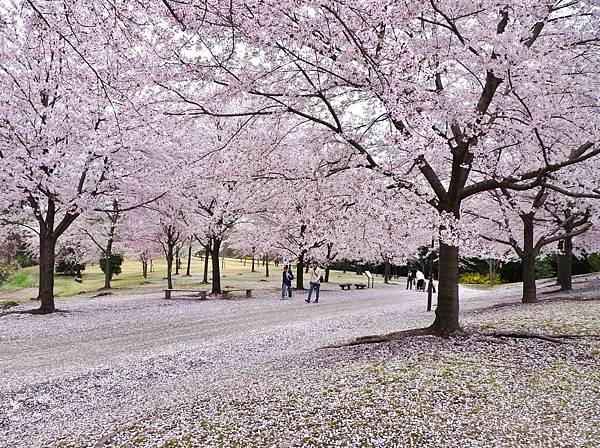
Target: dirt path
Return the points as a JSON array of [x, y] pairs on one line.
[[104, 361]]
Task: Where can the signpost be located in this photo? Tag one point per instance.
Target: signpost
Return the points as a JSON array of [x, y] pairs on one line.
[[370, 279]]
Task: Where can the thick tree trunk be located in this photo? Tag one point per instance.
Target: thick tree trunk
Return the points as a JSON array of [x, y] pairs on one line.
[[206, 257], [266, 266], [216, 267], [386, 272], [170, 266], [529, 288], [46, 285], [446, 313], [528, 259], [189, 262], [326, 279], [145, 268], [300, 273], [253, 259]]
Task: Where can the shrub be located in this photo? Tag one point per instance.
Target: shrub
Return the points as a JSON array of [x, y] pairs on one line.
[[475, 278], [594, 261], [67, 261], [114, 264], [6, 271]]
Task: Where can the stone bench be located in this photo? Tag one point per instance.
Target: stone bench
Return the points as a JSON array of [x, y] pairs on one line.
[[226, 292], [201, 293]]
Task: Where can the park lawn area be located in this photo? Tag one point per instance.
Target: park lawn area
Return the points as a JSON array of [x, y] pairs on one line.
[[234, 275]]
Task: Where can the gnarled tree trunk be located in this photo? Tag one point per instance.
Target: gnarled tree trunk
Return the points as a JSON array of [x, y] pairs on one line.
[[446, 313]]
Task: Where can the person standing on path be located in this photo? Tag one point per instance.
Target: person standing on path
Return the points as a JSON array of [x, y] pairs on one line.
[[410, 279], [315, 282], [420, 281], [286, 282]]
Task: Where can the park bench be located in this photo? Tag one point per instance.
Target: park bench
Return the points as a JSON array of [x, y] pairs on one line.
[[360, 285], [202, 293], [345, 285], [225, 293]]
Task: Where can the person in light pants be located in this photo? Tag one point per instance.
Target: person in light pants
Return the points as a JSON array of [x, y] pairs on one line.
[[315, 282]]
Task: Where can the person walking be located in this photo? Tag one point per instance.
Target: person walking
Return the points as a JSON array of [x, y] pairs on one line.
[[286, 282], [315, 282]]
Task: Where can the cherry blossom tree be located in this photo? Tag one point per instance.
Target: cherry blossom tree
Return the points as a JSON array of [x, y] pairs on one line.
[[447, 99], [61, 138], [528, 222]]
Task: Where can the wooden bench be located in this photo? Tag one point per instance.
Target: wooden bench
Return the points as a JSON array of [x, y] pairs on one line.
[[345, 285], [201, 293], [225, 293], [360, 285]]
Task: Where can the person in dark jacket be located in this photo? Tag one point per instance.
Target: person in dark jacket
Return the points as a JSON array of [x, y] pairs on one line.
[[286, 282], [410, 279]]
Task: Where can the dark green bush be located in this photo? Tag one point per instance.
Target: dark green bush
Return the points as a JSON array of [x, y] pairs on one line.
[[114, 264]]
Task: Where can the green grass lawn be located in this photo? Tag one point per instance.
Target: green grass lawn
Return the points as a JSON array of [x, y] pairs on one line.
[[23, 284]]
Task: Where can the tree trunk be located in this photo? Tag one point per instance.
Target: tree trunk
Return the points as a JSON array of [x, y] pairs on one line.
[[177, 262], [528, 259], [559, 258], [386, 272], [529, 288], [300, 273], [253, 259], [266, 266], [170, 266], [107, 270], [46, 285], [326, 279], [145, 268], [206, 257], [216, 267], [189, 262], [446, 313]]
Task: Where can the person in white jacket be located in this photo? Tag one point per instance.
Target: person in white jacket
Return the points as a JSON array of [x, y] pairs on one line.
[[315, 282], [420, 281]]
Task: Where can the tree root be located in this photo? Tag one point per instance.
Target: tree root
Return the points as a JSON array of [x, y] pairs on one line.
[[492, 335], [382, 338], [555, 338]]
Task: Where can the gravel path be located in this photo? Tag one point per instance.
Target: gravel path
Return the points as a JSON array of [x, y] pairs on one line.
[[70, 378]]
